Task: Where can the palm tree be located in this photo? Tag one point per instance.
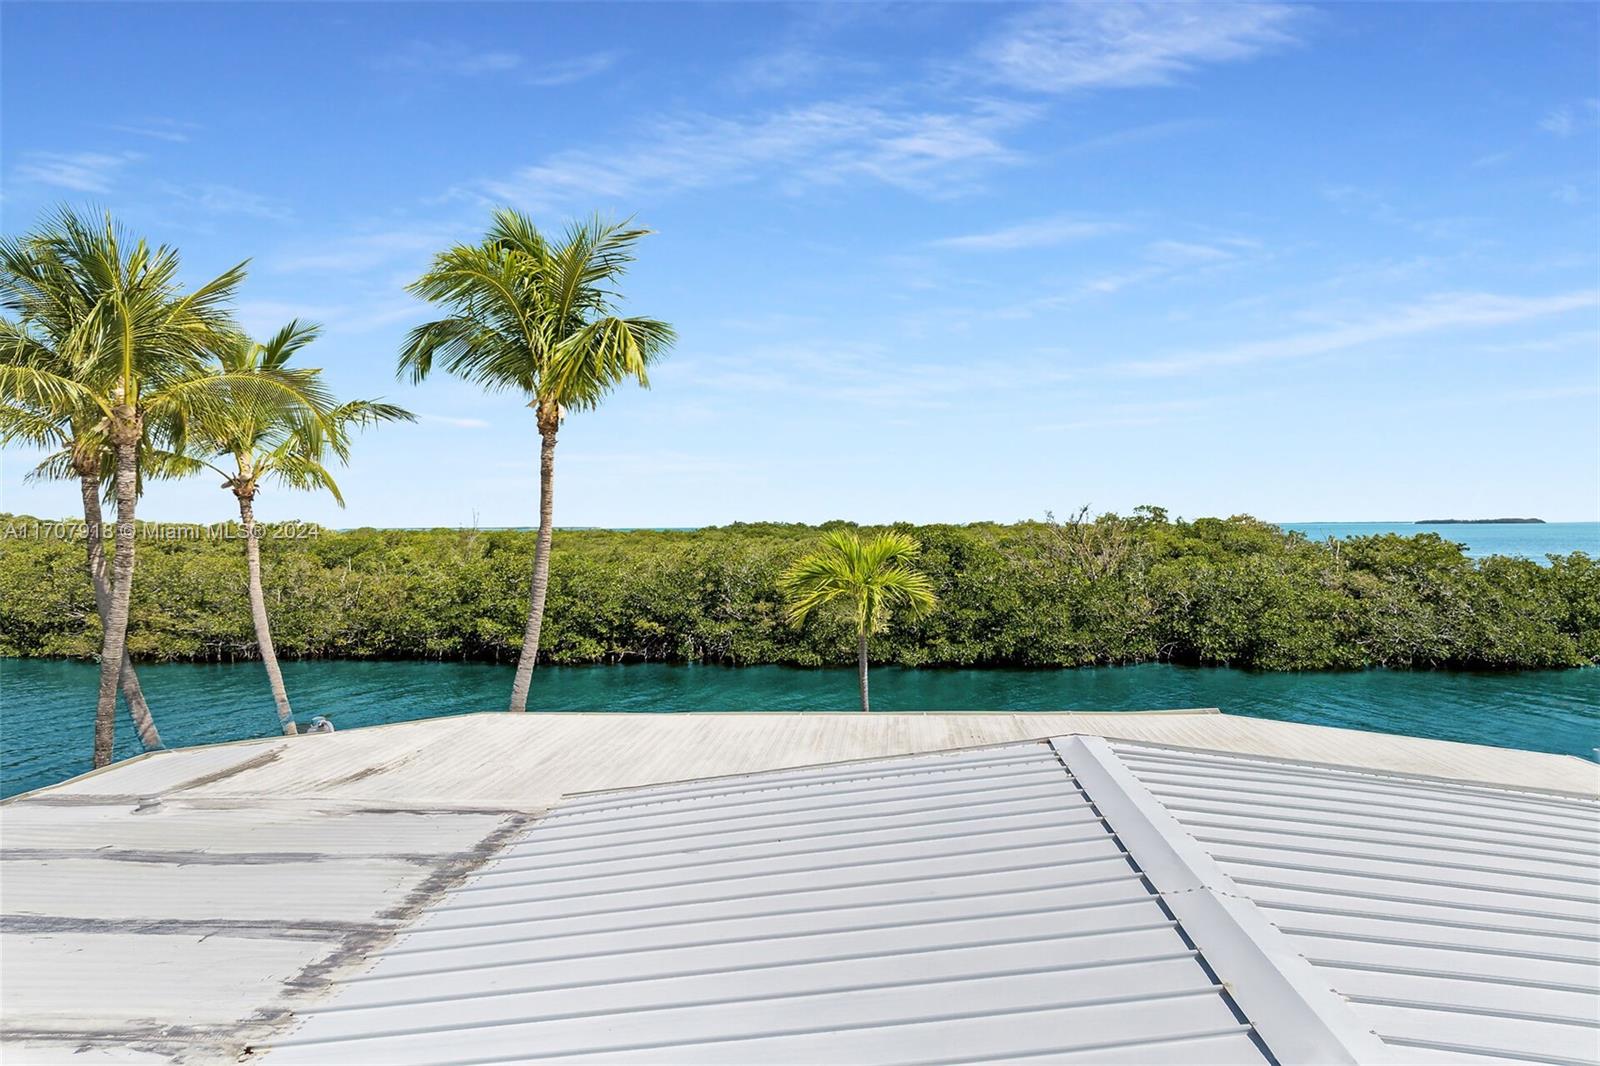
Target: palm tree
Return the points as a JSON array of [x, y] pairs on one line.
[[538, 318], [291, 442], [867, 578], [133, 350], [71, 433]]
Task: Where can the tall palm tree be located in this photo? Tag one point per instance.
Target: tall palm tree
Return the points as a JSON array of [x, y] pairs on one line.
[[539, 318], [133, 349], [71, 433], [291, 442], [867, 578]]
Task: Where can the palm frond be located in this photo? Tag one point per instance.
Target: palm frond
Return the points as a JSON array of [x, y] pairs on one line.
[[870, 577], [57, 466]]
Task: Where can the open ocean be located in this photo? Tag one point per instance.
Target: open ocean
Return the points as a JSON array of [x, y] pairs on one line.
[[1528, 540]]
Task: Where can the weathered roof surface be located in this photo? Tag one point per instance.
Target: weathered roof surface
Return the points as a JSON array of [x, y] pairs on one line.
[[173, 928], [1462, 924], [530, 761], [187, 904]]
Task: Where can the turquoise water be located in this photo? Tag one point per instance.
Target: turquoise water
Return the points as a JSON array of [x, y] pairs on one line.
[[1530, 541], [1527, 541], [46, 706]]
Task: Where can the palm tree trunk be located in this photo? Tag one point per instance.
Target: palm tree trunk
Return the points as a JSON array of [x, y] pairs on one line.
[[861, 669], [258, 611], [138, 710], [549, 422], [125, 434]]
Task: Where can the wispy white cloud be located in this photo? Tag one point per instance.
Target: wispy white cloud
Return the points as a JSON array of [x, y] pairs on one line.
[[1189, 253], [1157, 261], [453, 420], [457, 59], [1459, 311], [79, 171], [1040, 233], [173, 130], [808, 52], [1558, 122], [1091, 45], [1149, 131], [363, 314], [216, 199], [1584, 340], [1129, 415], [577, 68], [448, 57], [825, 143], [653, 463], [794, 65], [866, 373], [1375, 206], [1567, 193], [784, 68], [1568, 119], [365, 251]]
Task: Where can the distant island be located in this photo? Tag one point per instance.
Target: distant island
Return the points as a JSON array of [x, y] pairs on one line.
[[1480, 521]]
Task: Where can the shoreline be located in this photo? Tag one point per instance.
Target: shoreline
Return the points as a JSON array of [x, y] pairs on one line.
[[842, 665]]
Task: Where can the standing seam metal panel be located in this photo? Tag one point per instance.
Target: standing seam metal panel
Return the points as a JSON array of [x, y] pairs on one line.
[[1459, 921], [956, 908]]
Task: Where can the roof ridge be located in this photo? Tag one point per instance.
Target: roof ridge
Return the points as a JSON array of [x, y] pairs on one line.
[[1294, 1011]]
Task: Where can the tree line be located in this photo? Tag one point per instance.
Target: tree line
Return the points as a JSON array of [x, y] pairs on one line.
[[121, 374], [1084, 591]]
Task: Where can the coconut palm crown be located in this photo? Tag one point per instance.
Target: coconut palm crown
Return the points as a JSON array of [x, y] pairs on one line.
[[867, 579], [538, 317]]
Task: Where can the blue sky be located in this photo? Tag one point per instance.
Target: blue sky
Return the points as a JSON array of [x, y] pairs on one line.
[[927, 262]]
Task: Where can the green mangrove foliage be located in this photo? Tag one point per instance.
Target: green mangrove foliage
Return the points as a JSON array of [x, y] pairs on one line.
[[1130, 589]]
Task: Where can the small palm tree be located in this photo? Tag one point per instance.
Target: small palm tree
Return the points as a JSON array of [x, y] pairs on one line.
[[536, 317], [291, 442], [868, 579]]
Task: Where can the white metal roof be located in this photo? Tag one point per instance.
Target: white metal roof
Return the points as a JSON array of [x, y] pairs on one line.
[[191, 903], [1461, 923], [949, 909], [1022, 901]]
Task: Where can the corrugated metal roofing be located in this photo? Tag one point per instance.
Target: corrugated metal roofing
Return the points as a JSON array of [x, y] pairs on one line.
[[1461, 923], [965, 907]]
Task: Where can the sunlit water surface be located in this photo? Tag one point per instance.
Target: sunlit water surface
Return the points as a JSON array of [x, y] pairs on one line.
[[46, 706]]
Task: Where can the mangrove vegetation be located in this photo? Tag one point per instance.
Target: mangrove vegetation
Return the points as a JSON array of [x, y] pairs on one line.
[[1107, 590]]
